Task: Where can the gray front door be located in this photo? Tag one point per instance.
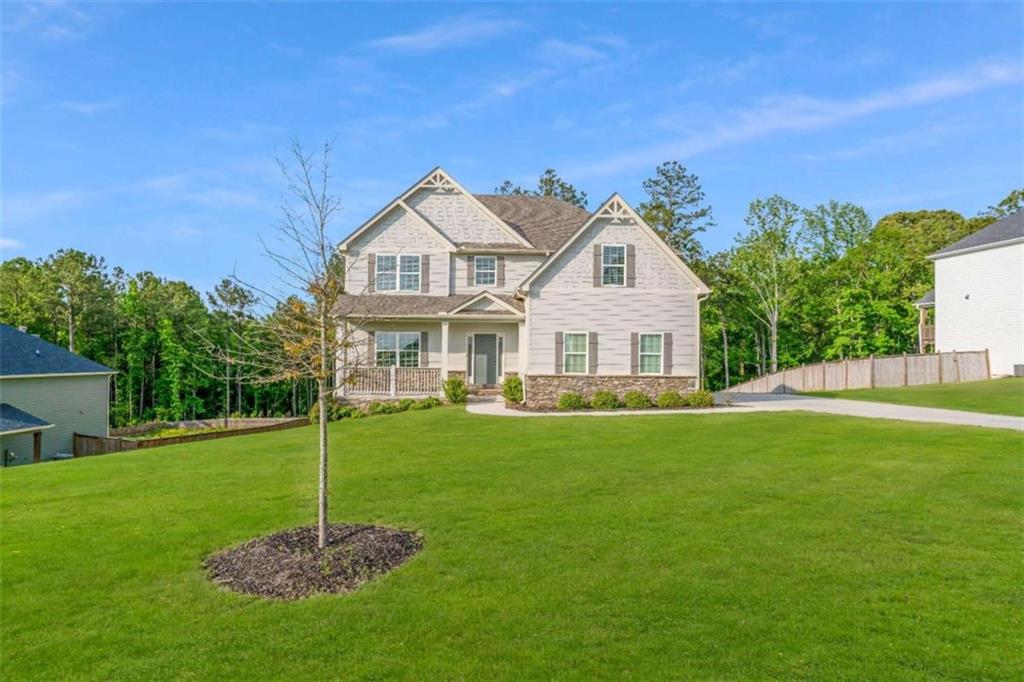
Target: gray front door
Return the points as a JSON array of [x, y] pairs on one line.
[[485, 359]]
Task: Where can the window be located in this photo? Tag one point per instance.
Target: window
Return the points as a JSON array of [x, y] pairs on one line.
[[485, 270], [650, 353], [613, 265], [574, 353], [398, 348], [398, 273]]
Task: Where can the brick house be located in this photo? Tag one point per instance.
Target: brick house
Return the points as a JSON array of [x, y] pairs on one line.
[[443, 282]]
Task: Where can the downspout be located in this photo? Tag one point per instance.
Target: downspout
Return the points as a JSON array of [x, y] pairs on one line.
[[700, 342]]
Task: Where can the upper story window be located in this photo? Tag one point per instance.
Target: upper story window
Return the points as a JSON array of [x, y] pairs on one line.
[[400, 349], [485, 271], [574, 353], [651, 356], [397, 273], [613, 264]]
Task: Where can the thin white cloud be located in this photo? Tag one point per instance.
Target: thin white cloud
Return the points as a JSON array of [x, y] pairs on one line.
[[52, 21], [927, 136], [451, 32], [561, 51], [88, 108], [788, 114], [8, 243]]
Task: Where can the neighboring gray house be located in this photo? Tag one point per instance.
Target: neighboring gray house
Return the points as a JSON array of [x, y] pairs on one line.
[[443, 282], [47, 394]]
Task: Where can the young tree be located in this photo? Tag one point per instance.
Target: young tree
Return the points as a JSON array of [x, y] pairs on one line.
[[1011, 203], [233, 306], [549, 184], [83, 288], [676, 210], [832, 229], [766, 260]]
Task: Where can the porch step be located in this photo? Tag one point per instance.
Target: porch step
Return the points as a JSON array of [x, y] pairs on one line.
[[485, 391]]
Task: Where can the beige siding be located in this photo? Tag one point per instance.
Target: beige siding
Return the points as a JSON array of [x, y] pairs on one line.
[[357, 355], [517, 269], [458, 332], [72, 404], [458, 217], [398, 233]]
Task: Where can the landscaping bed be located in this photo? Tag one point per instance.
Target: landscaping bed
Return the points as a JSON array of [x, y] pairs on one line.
[[289, 565]]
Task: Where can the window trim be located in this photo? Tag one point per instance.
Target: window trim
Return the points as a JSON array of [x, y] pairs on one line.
[[398, 348], [625, 251], [640, 353], [398, 272], [493, 271], [586, 352]]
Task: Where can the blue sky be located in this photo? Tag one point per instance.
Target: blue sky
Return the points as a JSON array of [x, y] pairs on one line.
[[143, 133]]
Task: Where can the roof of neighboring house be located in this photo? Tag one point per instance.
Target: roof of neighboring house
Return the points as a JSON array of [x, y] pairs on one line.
[[1005, 229], [926, 300], [546, 222], [13, 420], [24, 354], [404, 305]]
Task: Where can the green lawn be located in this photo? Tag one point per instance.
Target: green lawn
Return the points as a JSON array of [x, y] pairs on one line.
[[755, 546], [999, 396]]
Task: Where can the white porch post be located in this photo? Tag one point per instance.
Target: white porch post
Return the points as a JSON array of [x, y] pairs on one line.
[[521, 348], [444, 349]]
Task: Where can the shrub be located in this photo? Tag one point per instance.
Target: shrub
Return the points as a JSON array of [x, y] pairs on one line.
[[571, 400], [426, 403], [604, 400], [378, 407], [701, 399], [636, 400], [455, 390], [406, 404], [670, 399], [314, 413], [513, 389]]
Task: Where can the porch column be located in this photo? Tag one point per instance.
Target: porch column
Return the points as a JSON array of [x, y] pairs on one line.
[[521, 346], [444, 349]]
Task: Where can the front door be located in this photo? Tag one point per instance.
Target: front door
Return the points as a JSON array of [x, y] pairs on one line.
[[485, 359]]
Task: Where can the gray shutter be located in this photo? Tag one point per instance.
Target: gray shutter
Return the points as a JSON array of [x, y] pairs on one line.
[[559, 340], [597, 265], [630, 265], [469, 357], [371, 349], [499, 277], [666, 353], [424, 355], [592, 353], [470, 269], [425, 274], [371, 272], [634, 353]]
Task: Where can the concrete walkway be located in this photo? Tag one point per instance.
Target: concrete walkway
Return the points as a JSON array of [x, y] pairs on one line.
[[761, 402]]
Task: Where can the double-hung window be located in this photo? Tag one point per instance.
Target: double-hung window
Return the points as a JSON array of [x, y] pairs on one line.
[[398, 348], [613, 265], [574, 353], [397, 273], [485, 272], [651, 355]]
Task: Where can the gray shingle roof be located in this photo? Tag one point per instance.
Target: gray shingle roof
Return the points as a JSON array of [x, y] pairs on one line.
[[546, 222], [13, 419], [926, 300], [22, 353], [395, 305], [1004, 229]]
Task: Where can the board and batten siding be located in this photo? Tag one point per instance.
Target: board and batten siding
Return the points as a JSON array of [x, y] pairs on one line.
[[72, 404], [517, 268], [979, 304], [564, 299], [460, 219], [395, 234]]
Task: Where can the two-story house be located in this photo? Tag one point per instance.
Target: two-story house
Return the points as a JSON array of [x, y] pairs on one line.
[[443, 282]]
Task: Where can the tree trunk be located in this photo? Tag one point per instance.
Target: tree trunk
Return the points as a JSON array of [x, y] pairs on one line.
[[725, 354], [294, 404], [775, 346], [227, 392], [71, 327], [322, 397]]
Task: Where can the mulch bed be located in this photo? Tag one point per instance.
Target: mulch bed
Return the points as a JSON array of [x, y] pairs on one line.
[[289, 565]]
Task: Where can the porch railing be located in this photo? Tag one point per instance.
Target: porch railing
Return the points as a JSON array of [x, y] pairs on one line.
[[392, 381]]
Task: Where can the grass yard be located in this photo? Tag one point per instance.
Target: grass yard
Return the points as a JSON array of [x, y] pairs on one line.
[[998, 396], [751, 546]]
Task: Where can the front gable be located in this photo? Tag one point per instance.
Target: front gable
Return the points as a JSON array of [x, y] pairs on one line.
[[656, 266], [484, 302]]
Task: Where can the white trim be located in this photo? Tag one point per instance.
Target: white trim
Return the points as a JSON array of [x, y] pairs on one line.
[[499, 356], [640, 354], [398, 273], [586, 353], [398, 347], [484, 295], [31, 429], [65, 374], [444, 349], [493, 271], [615, 207], [437, 178], [625, 250], [980, 247]]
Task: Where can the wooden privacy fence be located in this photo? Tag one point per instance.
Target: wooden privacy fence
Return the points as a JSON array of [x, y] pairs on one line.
[[99, 445], [881, 372], [392, 381]]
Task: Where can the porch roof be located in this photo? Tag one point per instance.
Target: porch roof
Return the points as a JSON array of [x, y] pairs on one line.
[[13, 420], [415, 305]]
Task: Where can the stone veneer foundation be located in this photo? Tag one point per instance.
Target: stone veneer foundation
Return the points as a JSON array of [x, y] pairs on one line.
[[542, 390]]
